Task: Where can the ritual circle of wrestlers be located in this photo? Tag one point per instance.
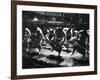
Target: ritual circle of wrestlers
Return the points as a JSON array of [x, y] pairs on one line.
[[58, 38]]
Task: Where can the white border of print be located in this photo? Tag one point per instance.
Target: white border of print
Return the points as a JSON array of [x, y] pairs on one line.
[[21, 71]]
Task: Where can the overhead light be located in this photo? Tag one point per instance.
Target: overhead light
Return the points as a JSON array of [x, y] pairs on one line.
[[57, 22], [35, 19]]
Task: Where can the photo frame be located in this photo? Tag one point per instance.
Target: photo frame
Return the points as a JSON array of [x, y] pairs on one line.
[[38, 50]]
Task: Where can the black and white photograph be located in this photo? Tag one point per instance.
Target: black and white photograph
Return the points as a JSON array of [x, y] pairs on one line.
[[55, 39]]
